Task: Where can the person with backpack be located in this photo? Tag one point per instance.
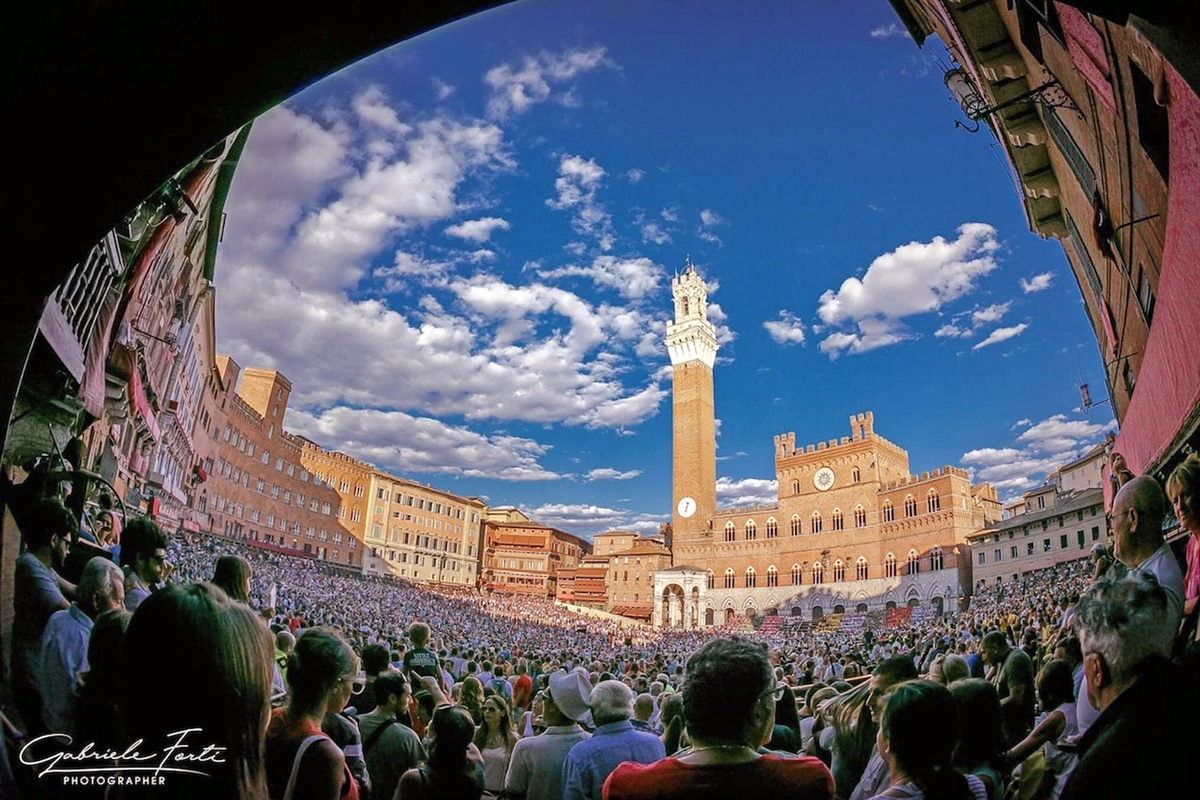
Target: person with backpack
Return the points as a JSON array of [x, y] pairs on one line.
[[390, 747]]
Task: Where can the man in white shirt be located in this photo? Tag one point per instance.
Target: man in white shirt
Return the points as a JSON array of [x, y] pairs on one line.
[[535, 771], [1137, 516]]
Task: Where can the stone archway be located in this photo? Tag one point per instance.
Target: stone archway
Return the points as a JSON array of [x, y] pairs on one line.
[[729, 615], [708, 617], [670, 603], [817, 613]]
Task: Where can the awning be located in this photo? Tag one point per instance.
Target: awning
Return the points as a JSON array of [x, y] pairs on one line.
[[137, 398], [190, 525], [200, 472], [1166, 398]]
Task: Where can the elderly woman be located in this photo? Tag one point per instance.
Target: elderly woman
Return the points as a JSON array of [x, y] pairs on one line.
[[729, 700]]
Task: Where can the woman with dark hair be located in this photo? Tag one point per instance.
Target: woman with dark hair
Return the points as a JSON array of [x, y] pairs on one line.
[[97, 718], [451, 773], [785, 734], [729, 699], [232, 573], [495, 739], [980, 750], [1056, 695], [192, 658], [916, 738], [303, 763]]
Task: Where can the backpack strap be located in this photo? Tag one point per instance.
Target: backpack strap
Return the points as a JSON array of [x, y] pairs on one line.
[[376, 734], [291, 784]]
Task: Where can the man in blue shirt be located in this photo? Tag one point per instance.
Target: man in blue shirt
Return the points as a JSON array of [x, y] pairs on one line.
[[65, 641], [615, 740]]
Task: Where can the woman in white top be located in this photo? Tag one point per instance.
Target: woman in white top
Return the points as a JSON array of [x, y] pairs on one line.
[[916, 738], [495, 739], [1055, 692]]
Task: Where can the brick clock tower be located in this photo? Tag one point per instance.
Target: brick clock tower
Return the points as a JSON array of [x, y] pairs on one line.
[[692, 344]]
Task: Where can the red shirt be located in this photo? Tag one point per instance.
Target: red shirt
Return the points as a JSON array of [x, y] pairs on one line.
[[772, 778], [283, 742], [522, 689]]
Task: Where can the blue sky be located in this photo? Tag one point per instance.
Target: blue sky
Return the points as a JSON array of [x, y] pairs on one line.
[[460, 249]]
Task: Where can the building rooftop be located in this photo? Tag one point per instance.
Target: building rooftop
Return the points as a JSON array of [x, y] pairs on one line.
[[1067, 502]]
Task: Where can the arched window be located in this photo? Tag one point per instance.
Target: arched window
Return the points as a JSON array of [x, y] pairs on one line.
[[910, 506], [860, 568], [932, 501], [795, 524], [772, 528], [816, 522], [712, 584], [889, 566], [856, 475], [914, 566], [935, 558], [772, 576], [818, 572], [729, 578], [839, 571], [751, 530], [795, 487], [729, 531], [795, 574], [889, 513], [750, 578], [837, 519], [860, 517]]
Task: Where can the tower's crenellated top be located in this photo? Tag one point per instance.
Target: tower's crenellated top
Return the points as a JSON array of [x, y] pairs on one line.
[[691, 337]]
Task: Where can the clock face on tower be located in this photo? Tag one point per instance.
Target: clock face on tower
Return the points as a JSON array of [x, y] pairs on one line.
[[823, 479], [686, 507]]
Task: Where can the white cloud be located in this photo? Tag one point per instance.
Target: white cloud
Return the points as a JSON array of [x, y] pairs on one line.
[[788, 329], [1021, 423], [992, 313], [371, 107], [708, 218], [481, 255], [1059, 433], [514, 90], [610, 474], [1040, 449], [888, 31], [1001, 335], [478, 230], [396, 440], [387, 198], [915, 278], [633, 277], [1037, 283], [408, 268], [653, 232], [709, 236], [635, 175], [441, 89], [747, 492], [952, 331], [670, 214], [576, 186]]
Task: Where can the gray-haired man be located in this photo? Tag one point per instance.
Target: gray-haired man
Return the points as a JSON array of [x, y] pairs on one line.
[[1140, 744]]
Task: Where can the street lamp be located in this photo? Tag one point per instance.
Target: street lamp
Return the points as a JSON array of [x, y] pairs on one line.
[[1049, 94]]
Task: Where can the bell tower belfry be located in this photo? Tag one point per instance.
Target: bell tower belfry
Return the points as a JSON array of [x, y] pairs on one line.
[[692, 345]]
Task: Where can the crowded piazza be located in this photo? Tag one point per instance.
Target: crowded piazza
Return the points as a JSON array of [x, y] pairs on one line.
[[561, 400]]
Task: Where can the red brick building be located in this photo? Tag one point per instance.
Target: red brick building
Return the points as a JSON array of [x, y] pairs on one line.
[[525, 557]]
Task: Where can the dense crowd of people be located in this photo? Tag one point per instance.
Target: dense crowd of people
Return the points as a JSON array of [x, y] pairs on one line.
[[312, 682]]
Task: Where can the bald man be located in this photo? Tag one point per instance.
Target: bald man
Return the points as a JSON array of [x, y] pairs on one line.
[[1137, 516]]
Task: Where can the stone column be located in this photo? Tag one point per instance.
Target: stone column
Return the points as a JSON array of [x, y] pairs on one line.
[[687, 613], [673, 611], [656, 608]]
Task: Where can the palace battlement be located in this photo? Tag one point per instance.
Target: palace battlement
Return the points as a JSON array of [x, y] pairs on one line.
[[862, 428], [927, 476]]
